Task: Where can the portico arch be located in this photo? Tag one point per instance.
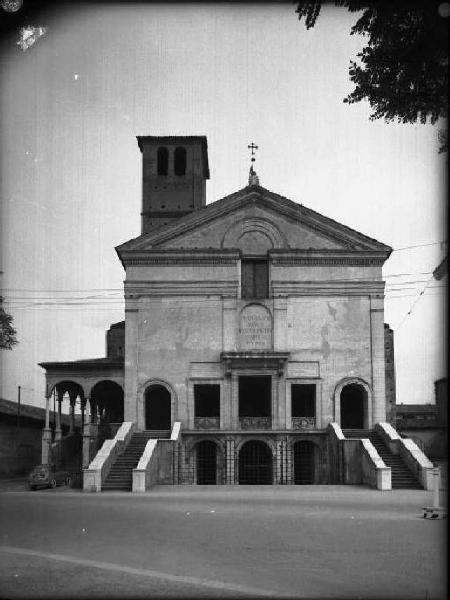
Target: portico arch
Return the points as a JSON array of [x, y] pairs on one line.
[[107, 397], [69, 391]]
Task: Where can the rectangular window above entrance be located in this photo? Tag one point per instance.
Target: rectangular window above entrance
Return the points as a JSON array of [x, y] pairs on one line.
[[254, 279]]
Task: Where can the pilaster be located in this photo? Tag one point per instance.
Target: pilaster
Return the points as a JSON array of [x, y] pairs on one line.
[[90, 432], [225, 404], [133, 407], [229, 324], [280, 324], [46, 444], [378, 410], [234, 401], [281, 401], [230, 477]]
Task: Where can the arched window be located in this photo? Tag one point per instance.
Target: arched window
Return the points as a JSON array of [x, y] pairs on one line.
[[180, 161], [163, 160]]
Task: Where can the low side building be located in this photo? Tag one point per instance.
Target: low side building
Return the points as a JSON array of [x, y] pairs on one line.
[[20, 436]]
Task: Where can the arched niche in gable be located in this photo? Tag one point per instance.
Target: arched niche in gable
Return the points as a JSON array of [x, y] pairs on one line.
[[254, 236]]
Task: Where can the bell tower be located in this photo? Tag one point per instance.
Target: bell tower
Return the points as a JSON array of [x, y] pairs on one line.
[[174, 174]]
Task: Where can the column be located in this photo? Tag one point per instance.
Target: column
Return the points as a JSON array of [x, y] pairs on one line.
[[86, 434], [288, 404], [377, 412], [281, 401], [93, 411], [46, 434], [89, 435], [230, 475], [275, 401], [234, 402], [58, 431], [319, 405], [83, 410], [190, 405], [72, 398], [225, 404], [278, 463], [47, 412], [288, 460]]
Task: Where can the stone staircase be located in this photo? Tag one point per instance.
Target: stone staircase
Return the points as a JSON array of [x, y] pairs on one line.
[[120, 476], [401, 476]]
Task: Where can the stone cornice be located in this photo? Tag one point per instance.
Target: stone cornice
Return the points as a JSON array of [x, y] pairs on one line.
[[328, 257], [266, 359], [319, 288], [68, 370], [138, 289], [194, 256]]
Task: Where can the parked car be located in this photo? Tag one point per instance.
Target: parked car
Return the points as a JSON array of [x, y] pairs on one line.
[[47, 476]]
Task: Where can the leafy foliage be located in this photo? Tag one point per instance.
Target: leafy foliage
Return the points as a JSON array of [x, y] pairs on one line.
[[8, 334], [403, 69]]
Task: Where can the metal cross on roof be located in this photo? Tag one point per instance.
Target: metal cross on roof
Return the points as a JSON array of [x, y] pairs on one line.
[[253, 147]]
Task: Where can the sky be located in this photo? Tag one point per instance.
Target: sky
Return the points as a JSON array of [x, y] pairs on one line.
[[72, 104]]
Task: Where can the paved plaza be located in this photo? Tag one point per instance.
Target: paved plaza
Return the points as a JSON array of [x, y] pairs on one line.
[[219, 541]]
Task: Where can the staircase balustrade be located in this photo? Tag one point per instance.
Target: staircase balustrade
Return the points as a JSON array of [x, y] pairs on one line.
[[374, 471], [156, 464], [409, 452], [96, 473], [357, 460]]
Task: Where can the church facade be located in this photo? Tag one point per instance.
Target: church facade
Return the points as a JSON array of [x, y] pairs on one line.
[[254, 322]]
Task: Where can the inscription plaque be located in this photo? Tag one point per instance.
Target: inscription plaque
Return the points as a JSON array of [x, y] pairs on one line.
[[255, 328]]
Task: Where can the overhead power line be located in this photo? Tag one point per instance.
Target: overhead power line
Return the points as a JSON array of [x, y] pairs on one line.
[[420, 245], [411, 308]]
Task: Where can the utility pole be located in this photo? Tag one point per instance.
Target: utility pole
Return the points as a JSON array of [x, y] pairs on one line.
[[18, 408]]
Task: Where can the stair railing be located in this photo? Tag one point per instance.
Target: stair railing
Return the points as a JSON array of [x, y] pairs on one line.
[[156, 463], [374, 470], [409, 452], [357, 461], [98, 470]]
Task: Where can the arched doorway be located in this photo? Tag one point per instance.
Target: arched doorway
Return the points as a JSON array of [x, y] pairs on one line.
[[206, 462], [158, 408], [255, 464], [107, 397], [303, 463], [353, 406]]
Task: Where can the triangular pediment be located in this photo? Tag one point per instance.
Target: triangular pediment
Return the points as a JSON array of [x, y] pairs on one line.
[[251, 219]]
